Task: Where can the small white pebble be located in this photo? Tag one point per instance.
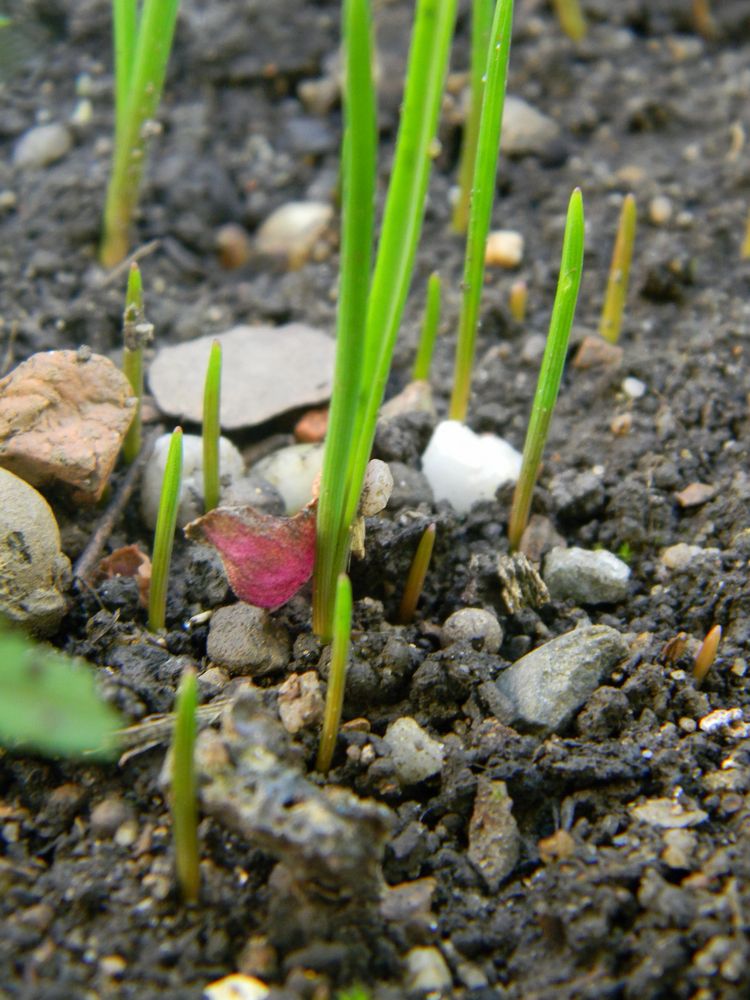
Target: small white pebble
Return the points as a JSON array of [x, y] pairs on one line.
[[634, 388], [687, 725], [660, 210], [720, 718], [504, 249]]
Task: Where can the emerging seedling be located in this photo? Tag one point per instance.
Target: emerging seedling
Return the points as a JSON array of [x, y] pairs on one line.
[[342, 625], [619, 273], [553, 361], [517, 300], [363, 363], [183, 794], [423, 360], [137, 333], [166, 522], [703, 19], [142, 42], [571, 18], [482, 197], [706, 655], [417, 573], [212, 429], [481, 20], [745, 252]]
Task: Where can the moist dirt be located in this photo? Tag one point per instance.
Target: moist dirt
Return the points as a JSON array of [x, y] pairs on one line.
[[605, 897]]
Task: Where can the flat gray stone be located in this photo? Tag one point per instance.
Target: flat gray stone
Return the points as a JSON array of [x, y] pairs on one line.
[[548, 686], [266, 371], [416, 755], [525, 129], [42, 145], [586, 576]]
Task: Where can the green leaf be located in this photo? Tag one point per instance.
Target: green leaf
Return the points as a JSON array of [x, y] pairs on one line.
[[49, 702]]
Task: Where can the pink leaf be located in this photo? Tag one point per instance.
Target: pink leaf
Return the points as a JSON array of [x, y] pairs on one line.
[[266, 558]]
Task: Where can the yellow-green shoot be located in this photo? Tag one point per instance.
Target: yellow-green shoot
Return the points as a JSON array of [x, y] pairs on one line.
[[706, 655], [569, 282], [482, 198], [136, 333], [342, 624], [212, 429], [423, 360], [745, 251], [519, 294], [375, 307], [619, 273], [142, 42], [571, 18], [417, 573], [481, 20], [166, 523], [183, 790]]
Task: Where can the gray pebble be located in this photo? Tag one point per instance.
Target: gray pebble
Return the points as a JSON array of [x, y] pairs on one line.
[[494, 840], [246, 640], [587, 577], [525, 129], [42, 145], [427, 971], [550, 684], [475, 625], [416, 756]]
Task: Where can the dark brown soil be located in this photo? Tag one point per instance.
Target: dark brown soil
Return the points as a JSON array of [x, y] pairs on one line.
[[88, 903]]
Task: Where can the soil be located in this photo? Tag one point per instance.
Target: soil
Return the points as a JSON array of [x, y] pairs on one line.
[[610, 907]]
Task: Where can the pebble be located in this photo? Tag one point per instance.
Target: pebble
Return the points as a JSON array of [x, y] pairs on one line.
[[246, 640], [463, 467], [695, 494], [232, 246], [594, 352], [475, 625], [633, 387], [258, 382], [494, 840], [504, 248], [312, 426], [526, 130], [293, 230], [720, 718], [42, 145], [586, 577], [292, 471], [108, 815], [415, 397], [301, 703], [547, 686], [231, 469], [660, 210], [33, 570], [416, 755], [427, 971], [236, 987], [680, 846], [667, 814], [63, 418], [679, 557]]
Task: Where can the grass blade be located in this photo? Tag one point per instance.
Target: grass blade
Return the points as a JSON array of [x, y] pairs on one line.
[[184, 788], [166, 522], [482, 197], [430, 325], [212, 429], [342, 626], [125, 33], [417, 573], [571, 18], [619, 273], [136, 333], [569, 282]]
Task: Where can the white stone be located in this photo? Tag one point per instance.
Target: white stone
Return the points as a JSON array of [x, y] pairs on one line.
[[504, 248], [464, 467], [42, 145], [416, 755], [585, 576], [428, 971], [525, 129], [236, 987], [293, 230], [231, 468], [292, 471], [633, 387]]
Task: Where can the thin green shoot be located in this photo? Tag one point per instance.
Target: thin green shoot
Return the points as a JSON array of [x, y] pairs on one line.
[[49, 703], [519, 294], [482, 197], [481, 20], [136, 333], [342, 624], [745, 251], [571, 18], [184, 791], [142, 43], [353, 417], [212, 429], [619, 273], [417, 573], [166, 523], [423, 360], [569, 282]]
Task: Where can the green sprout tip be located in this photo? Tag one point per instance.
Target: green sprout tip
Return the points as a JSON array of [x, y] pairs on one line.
[[184, 796], [212, 429], [166, 523], [417, 573], [136, 332], [571, 18], [619, 273], [430, 324]]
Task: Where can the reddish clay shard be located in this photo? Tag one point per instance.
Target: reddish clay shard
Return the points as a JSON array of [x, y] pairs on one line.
[[266, 558]]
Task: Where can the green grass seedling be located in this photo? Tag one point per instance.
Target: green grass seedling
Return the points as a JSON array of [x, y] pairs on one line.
[[481, 20], [212, 429], [519, 294], [342, 626], [183, 791], [706, 655], [361, 370], [482, 198], [417, 573], [166, 522], [745, 251], [142, 43], [619, 273], [551, 371], [136, 334], [571, 18], [423, 360]]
